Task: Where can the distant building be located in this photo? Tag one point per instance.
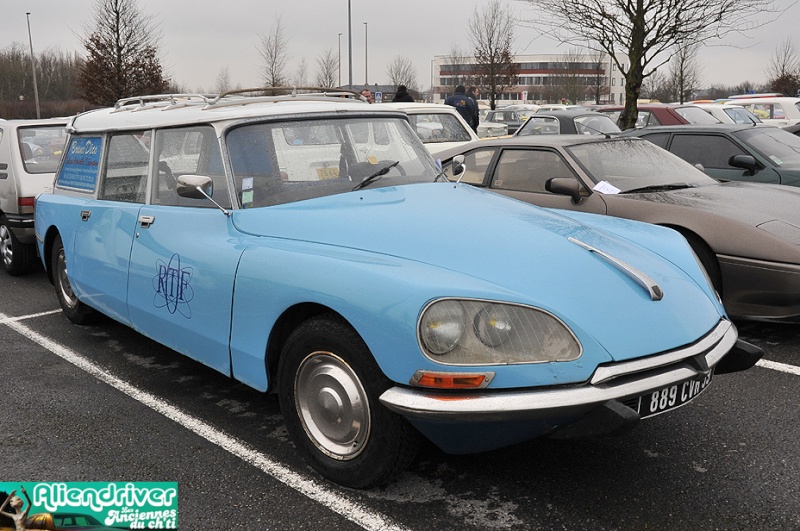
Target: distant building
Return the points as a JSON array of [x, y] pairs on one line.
[[541, 78]]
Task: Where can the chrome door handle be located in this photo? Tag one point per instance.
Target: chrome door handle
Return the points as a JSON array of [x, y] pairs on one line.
[[146, 221], [85, 214]]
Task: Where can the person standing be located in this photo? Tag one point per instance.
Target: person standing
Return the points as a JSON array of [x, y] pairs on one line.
[[464, 105], [402, 94], [472, 94]]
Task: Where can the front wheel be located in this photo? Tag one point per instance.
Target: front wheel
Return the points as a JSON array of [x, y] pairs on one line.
[[73, 309], [15, 256], [329, 384]]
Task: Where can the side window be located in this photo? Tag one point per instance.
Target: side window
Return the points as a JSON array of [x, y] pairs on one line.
[[711, 151], [528, 170], [188, 151], [476, 162], [125, 175]]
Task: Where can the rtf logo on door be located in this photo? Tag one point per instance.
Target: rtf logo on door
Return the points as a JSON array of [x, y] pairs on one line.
[[171, 283]]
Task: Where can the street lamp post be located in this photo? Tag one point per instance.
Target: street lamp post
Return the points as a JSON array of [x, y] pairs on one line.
[[33, 67], [350, 44], [340, 60], [366, 61]]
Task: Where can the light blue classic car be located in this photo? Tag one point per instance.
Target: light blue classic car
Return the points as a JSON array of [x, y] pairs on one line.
[[308, 245]]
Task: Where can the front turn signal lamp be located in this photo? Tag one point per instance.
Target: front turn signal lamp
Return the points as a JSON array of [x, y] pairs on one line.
[[452, 380]]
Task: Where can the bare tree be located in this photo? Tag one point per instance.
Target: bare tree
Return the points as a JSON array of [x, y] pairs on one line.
[[223, 81], [275, 51], [301, 75], [642, 35], [783, 72], [401, 71], [327, 69], [659, 87], [492, 34], [570, 78], [461, 65], [597, 86], [685, 72], [122, 54]]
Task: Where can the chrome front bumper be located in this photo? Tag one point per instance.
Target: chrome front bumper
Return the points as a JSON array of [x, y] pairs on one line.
[[609, 382]]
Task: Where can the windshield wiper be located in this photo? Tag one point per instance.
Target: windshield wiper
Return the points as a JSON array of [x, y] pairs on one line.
[[375, 176], [659, 188]]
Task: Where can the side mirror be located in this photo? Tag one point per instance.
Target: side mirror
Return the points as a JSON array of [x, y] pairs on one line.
[[564, 186], [458, 167], [195, 186], [746, 162]]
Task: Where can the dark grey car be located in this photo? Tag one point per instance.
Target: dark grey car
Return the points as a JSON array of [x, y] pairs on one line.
[[758, 153], [746, 235]]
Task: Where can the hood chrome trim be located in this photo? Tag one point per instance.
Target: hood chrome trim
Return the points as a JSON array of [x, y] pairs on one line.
[[650, 285]]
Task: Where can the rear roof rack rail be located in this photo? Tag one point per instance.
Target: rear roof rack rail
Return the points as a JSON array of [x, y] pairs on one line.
[[234, 97]]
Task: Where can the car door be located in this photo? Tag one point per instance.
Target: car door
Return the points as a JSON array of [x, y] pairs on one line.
[[104, 233], [184, 257], [714, 153]]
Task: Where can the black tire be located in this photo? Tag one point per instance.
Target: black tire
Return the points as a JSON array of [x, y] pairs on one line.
[[328, 385], [73, 309], [707, 258], [15, 256]]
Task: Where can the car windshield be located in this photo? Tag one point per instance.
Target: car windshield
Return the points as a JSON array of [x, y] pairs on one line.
[[591, 124], [779, 146], [439, 127], [633, 165], [41, 148], [540, 125], [282, 162], [742, 116], [696, 115]]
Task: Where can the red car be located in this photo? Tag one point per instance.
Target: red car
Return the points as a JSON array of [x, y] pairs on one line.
[[663, 114]]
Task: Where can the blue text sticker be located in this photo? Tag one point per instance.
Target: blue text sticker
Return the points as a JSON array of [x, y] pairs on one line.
[[81, 164]]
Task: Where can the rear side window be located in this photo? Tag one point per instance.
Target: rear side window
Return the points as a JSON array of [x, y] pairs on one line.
[[476, 163], [659, 139], [125, 176], [81, 164], [41, 148]]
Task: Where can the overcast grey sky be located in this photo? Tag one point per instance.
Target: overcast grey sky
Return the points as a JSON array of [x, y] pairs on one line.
[[201, 37]]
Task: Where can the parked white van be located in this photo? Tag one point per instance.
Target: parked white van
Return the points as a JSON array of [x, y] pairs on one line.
[[781, 112], [30, 151]]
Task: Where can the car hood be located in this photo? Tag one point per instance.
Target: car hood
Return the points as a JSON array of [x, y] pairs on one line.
[[749, 203], [508, 250]]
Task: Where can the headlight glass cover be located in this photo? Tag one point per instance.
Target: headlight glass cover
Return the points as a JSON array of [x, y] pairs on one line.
[[479, 332]]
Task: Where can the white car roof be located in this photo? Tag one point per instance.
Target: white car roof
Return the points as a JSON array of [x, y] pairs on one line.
[[184, 109]]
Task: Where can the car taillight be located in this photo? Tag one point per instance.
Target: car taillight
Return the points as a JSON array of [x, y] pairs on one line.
[[26, 205]]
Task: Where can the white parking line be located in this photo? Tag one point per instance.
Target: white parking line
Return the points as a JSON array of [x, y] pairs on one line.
[[6, 320], [334, 501], [775, 366]]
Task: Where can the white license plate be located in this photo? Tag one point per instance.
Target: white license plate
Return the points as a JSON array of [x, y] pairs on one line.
[[673, 396]]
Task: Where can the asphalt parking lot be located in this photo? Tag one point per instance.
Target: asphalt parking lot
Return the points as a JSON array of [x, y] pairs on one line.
[[103, 403]]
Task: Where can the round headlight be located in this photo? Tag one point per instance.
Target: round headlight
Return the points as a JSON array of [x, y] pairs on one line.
[[493, 325], [442, 326]]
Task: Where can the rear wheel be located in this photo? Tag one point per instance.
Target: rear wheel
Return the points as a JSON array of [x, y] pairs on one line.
[[15, 256], [329, 386], [75, 310]]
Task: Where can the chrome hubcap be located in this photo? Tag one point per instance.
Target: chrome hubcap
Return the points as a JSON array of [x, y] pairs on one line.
[[63, 281], [6, 247], [332, 405]]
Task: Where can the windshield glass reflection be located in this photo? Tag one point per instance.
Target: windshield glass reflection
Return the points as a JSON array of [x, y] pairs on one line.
[[632, 164]]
